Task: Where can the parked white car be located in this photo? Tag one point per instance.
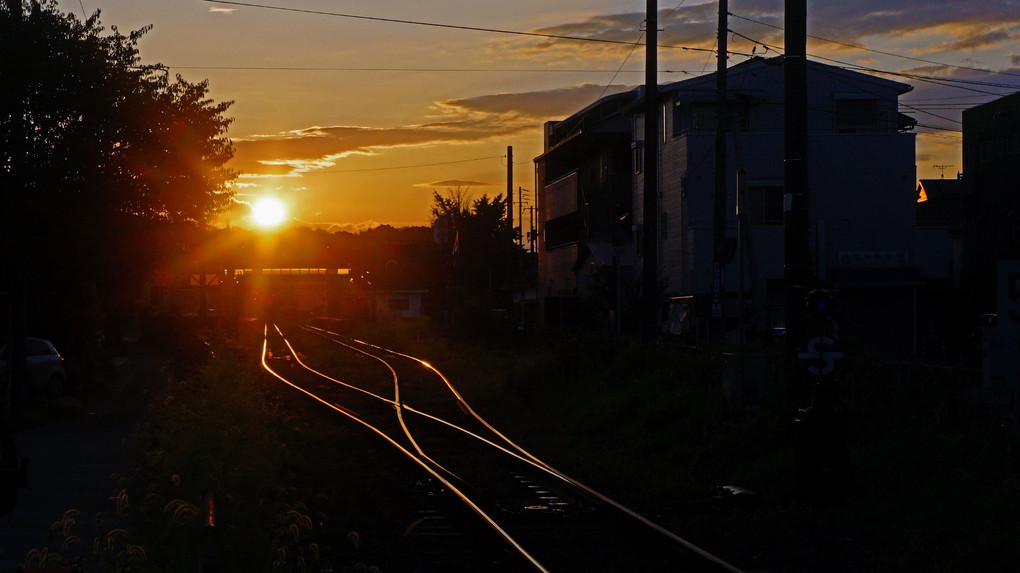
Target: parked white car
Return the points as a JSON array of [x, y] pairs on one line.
[[45, 366]]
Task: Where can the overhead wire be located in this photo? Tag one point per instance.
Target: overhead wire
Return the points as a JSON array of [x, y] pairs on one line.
[[958, 83], [378, 69], [910, 75], [633, 45], [882, 52], [962, 84], [637, 43], [439, 25]]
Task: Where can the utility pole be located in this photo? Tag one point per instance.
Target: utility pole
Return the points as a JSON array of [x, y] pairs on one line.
[[511, 274], [820, 438], [531, 229], [796, 226], [520, 215], [719, 195], [510, 187], [650, 236]]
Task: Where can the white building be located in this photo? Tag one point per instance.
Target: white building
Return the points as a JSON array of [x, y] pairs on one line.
[[861, 184]]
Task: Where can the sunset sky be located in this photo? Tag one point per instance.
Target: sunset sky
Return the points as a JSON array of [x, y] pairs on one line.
[[352, 112]]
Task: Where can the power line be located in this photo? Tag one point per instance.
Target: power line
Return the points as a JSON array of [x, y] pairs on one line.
[[948, 82], [439, 25], [884, 53], [946, 99], [377, 69]]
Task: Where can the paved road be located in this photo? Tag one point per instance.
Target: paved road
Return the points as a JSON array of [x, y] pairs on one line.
[[75, 461]]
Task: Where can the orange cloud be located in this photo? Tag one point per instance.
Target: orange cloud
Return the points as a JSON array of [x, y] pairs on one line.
[[454, 121], [455, 184]]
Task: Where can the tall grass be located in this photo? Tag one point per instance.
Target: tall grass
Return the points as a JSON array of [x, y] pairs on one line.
[[934, 480], [273, 469]]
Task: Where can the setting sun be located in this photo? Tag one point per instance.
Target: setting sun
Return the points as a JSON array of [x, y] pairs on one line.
[[268, 212]]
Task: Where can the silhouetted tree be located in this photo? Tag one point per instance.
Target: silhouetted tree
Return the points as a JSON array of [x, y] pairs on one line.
[[480, 251], [99, 156]]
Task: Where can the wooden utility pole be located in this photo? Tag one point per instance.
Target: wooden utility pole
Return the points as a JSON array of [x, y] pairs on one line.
[[650, 219], [719, 194]]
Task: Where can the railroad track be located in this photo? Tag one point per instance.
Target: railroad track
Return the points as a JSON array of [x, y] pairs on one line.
[[489, 502]]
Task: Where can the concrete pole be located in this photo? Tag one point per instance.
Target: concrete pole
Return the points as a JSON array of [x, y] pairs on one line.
[[797, 271], [510, 187], [650, 220], [719, 193]]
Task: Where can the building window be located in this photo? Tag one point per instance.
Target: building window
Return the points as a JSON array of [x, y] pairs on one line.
[[638, 149], [856, 113], [764, 205], [400, 304], [700, 116], [563, 230]]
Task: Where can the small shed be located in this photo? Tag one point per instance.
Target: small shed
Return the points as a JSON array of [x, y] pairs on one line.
[[398, 303]]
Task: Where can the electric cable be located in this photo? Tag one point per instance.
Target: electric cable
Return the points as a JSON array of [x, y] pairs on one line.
[[439, 25]]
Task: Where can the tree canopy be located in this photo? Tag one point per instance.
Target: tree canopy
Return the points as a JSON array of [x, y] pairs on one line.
[[96, 129], [481, 253], [99, 154]]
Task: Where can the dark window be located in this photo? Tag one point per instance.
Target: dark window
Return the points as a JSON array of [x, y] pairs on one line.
[[764, 205], [563, 230], [856, 114], [700, 116]]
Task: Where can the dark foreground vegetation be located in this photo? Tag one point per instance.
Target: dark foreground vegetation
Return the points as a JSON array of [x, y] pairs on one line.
[[934, 483]]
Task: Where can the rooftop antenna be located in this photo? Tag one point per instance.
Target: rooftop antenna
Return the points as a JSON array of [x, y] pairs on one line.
[[942, 169]]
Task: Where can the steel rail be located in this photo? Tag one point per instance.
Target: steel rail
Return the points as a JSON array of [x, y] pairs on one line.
[[461, 402], [397, 404], [530, 460], [446, 483], [585, 488]]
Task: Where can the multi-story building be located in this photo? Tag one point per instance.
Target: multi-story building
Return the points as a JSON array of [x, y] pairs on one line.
[[861, 183], [991, 167]]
